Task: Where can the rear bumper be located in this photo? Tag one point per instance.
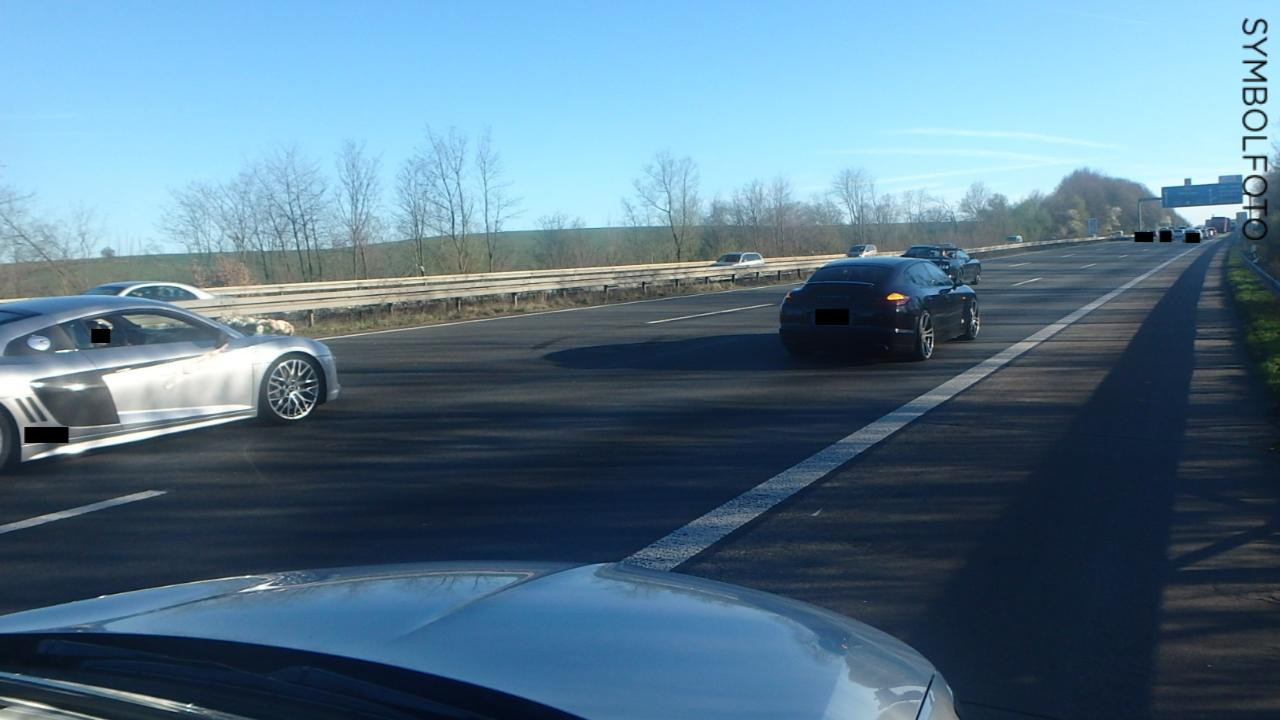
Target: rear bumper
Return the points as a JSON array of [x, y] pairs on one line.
[[848, 337]]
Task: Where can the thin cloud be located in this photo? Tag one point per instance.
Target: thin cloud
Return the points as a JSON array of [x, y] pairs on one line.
[[954, 152], [1099, 16], [1004, 135], [38, 117], [971, 171]]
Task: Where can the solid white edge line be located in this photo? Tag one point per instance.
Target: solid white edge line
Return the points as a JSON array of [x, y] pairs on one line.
[[1024, 282], [687, 541], [83, 509], [705, 314]]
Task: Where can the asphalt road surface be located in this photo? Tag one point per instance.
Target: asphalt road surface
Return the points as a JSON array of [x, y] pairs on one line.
[[1088, 531]]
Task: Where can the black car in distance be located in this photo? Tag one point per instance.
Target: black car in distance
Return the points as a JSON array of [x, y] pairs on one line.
[[898, 305], [955, 262]]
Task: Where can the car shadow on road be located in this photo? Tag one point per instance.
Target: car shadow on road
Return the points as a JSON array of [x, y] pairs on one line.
[[754, 352]]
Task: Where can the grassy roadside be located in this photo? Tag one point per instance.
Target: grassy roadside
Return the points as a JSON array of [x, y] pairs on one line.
[[370, 319], [1259, 311]]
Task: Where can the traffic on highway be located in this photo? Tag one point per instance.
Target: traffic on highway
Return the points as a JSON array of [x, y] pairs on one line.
[[854, 416]]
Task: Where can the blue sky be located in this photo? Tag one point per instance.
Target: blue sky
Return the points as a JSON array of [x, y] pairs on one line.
[[109, 105]]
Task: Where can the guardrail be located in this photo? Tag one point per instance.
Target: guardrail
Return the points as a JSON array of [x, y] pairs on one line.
[[343, 294], [1263, 275], [339, 294]]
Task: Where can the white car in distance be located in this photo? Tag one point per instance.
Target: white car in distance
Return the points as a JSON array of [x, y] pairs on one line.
[[163, 291], [739, 259]]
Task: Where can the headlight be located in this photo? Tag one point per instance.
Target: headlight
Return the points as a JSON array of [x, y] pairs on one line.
[[939, 703]]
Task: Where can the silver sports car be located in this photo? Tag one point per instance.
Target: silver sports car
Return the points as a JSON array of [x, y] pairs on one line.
[[606, 642], [85, 371]]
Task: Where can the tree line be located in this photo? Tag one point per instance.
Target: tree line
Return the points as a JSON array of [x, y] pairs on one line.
[[288, 217]]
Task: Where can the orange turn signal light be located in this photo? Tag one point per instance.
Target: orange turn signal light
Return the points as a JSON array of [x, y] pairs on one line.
[[896, 298]]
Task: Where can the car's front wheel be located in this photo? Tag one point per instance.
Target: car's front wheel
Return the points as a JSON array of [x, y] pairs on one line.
[[925, 337], [291, 389], [972, 322], [10, 450]]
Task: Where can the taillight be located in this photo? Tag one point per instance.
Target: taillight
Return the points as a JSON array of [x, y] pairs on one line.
[[897, 298]]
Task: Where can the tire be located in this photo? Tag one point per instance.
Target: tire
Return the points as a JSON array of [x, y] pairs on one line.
[[292, 388], [926, 337], [977, 277], [10, 450], [972, 322]]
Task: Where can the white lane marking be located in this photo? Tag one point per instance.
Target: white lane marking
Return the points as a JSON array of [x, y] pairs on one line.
[[1024, 282], [1069, 255], [691, 539], [1019, 264], [705, 314], [597, 307], [793, 283], [1082, 267], [1124, 256], [64, 514]]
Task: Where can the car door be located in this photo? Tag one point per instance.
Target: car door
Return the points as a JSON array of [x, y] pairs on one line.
[[65, 389], [162, 367], [968, 269], [947, 304]]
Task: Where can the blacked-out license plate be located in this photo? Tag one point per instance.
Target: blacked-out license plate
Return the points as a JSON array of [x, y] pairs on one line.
[[831, 316]]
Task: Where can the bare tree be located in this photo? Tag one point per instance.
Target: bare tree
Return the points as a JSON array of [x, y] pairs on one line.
[[974, 202], [856, 192], [780, 215], [413, 210], [750, 210], [359, 194], [668, 187], [241, 218], [496, 206], [27, 238], [295, 195], [190, 220], [448, 195], [560, 242]]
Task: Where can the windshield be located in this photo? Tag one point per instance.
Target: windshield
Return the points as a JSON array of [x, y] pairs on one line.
[[730, 258], [923, 252]]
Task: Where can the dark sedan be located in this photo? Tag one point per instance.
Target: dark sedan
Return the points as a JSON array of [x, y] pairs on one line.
[[891, 304], [953, 261]]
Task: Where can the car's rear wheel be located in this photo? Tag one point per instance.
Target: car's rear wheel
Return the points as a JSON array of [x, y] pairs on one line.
[[925, 337], [291, 389], [977, 277], [972, 322]]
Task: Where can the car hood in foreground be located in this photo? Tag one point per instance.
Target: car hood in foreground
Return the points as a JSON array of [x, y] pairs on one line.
[[601, 641]]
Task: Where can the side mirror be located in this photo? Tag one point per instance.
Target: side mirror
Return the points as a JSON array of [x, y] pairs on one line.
[[39, 343], [223, 338]]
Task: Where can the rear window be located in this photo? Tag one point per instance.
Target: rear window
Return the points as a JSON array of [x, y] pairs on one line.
[[922, 252], [103, 290], [869, 274]]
